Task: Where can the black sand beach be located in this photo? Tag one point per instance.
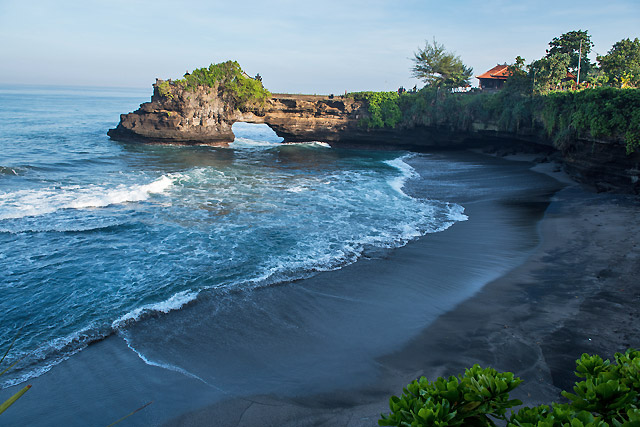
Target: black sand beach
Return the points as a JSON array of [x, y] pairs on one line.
[[535, 277]]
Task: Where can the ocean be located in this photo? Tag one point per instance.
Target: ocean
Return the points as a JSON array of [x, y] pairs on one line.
[[98, 235]]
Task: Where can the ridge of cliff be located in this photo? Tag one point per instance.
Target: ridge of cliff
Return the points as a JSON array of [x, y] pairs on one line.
[[204, 114]]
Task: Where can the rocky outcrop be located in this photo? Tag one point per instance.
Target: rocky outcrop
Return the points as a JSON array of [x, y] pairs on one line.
[[178, 116], [206, 115]]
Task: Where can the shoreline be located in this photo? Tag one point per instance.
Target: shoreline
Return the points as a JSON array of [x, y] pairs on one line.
[[574, 293], [111, 376]]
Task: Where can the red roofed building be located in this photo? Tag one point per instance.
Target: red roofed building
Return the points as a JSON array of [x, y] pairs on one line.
[[495, 77]]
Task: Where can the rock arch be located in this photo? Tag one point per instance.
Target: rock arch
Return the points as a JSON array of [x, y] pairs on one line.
[[202, 117]]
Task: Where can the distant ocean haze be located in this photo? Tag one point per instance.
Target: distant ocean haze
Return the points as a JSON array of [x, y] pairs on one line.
[[97, 235]]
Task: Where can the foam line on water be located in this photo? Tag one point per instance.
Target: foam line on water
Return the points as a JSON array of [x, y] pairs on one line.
[[407, 172], [42, 201], [167, 366], [176, 302], [310, 144]]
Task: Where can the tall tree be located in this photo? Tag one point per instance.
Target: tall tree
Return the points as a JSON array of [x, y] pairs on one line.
[[439, 68], [572, 43], [621, 64], [548, 72]]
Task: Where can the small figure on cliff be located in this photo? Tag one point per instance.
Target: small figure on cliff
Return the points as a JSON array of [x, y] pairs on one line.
[[259, 77], [401, 90]]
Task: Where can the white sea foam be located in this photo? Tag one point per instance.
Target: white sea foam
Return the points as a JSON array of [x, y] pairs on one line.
[[456, 212], [176, 302], [166, 366], [406, 172], [252, 144], [311, 144], [42, 201], [296, 189], [61, 348]]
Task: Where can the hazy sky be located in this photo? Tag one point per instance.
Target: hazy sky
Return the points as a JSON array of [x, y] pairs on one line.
[[322, 46]]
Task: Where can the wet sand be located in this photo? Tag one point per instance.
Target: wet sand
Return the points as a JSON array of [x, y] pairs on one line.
[[577, 292], [524, 286]]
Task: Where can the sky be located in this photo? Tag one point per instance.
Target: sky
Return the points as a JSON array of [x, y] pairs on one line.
[[297, 46]]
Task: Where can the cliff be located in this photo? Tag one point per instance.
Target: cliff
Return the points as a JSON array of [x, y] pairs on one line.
[[205, 115]]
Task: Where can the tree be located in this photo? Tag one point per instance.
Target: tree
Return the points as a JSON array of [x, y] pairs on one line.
[[572, 43], [548, 72], [439, 68], [621, 65], [519, 80]]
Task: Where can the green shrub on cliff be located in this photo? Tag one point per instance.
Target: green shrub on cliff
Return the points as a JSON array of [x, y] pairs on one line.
[[564, 115], [609, 396], [599, 112], [233, 84], [382, 106]]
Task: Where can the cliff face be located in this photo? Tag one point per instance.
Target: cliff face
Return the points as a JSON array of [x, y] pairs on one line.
[[178, 117], [205, 116]]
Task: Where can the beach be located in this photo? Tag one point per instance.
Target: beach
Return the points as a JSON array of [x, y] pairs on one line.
[[576, 293], [540, 272]]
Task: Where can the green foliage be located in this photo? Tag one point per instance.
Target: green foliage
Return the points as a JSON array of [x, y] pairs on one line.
[[466, 400], [602, 112], [164, 89], [439, 68], [548, 72], [599, 112], [383, 108], [232, 84], [572, 43], [607, 397], [621, 65]]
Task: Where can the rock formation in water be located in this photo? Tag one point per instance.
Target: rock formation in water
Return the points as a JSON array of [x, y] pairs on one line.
[[205, 115], [202, 116]]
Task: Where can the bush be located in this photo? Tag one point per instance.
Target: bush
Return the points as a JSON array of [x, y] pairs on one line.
[[466, 400], [383, 108], [233, 85], [564, 115], [609, 396]]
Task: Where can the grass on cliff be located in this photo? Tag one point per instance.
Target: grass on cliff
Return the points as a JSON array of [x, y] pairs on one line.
[[564, 115], [233, 85]]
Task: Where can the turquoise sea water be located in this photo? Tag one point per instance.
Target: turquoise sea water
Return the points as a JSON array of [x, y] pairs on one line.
[[96, 235]]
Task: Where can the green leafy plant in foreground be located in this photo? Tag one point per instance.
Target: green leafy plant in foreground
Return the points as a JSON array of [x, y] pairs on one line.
[[608, 396], [468, 400]]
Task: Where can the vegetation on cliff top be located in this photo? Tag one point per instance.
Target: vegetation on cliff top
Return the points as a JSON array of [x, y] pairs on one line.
[[383, 108], [534, 98], [603, 112], [439, 68], [609, 396], [233, 84]]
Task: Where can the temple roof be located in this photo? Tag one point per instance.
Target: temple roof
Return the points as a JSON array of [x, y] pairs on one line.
[[500, 72]]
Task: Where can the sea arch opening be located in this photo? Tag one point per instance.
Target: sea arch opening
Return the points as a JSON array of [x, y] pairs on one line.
[[261, 133]]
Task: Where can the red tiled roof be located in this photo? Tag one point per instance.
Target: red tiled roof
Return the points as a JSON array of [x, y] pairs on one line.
[[500, 72]]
